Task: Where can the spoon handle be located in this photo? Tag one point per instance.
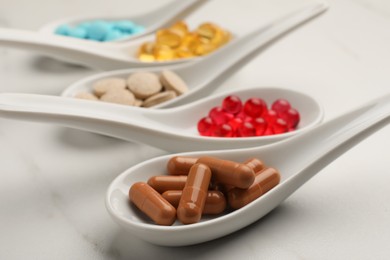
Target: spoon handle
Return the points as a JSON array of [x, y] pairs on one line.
[[233, 56], [116, 120], [167, 14], [65, 48], [312, 151]]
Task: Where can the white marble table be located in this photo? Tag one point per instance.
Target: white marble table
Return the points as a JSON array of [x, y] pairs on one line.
[[53, 179]]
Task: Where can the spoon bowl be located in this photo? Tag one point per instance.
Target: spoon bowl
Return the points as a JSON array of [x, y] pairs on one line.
[[151, 21], [171, 129], [111, 56], [298, 159]]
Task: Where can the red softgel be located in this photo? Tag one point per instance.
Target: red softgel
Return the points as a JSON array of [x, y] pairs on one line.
[[206, 126], [253, 118], [279, 126], [219, 116], [254, 107], [232, 104], [280, 105], [260, 125], [291, 116], [224, 130], [246, 129]]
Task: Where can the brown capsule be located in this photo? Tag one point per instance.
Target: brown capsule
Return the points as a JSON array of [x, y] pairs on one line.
[[194, 194], [264, 181], [163, 183], [254, 163], [152, 204], [215, 201], [229, 172], [180, 165]]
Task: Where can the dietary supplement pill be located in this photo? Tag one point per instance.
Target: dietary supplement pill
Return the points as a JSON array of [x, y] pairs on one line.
[[118, 96], [215, 201], [177, 42], [100, 87], [144, 84], [229, 172], [152, 204], [264, 181], [180, 165], [86, 95], [194, 194], [159, 98], [162, 183], [254, 163], [171, 81]]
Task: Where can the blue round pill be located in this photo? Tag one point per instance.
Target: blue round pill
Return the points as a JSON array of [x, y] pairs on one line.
[[114, 35], [78, 32], [124, 26], [63, 29], [98, 30]]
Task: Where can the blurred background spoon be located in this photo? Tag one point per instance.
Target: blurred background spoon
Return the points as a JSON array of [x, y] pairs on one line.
[[123, 55], [151, 21], [173, 129]]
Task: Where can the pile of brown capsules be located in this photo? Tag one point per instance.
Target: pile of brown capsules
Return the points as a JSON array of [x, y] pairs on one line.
[[141, 89], [201, 186]]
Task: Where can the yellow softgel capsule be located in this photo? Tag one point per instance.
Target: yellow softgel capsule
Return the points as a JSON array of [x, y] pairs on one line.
[[180, 28], [207, 30], [147, 48], [164, 53], [146, 57], [204, 49], [184, 53], [168, 38], [146, 52], [178, 42], [190, 42]]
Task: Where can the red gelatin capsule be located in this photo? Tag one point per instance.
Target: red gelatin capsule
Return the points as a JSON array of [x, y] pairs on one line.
[[254, 107], [241, 115], [235, 123], [232, 104], [206, 126], [280, 105], [219, 116], [291, 116], [260, 125], [224, 130], [269, 131], [247, 129], [270, 116], [279, 126]]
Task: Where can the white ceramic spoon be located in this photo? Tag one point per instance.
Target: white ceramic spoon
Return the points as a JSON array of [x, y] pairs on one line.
[[122, 55], [298, 159], [151, 21], [169, 129], [204, 76]]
